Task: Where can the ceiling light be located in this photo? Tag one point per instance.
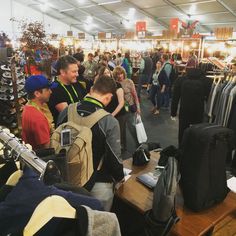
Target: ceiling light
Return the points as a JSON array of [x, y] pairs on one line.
[[87, 6], [194, 44], [186, 48], [106, 3], [192, 9], [89, 19], [69, 9], [209, 50], [131, 13]]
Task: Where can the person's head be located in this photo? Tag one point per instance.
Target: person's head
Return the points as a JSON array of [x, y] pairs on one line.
[[119, 73], [165, 57], [145, 54], [102, 70], [119, 55], [67, 68], [79, 57], [78, 50], [90, 57], [191, 53], [81, 70], [158, 65], [103, 89], [104, 60], [127, 54], [38, 88], [234, 68]]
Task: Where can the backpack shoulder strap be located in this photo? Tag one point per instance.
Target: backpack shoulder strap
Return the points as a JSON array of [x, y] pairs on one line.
[[72, 112], [92, 119], [88, 121]]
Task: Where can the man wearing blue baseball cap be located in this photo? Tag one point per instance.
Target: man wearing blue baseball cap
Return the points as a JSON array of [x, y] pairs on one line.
[[36, 117]]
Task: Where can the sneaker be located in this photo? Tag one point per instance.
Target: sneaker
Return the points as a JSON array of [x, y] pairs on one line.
[[156, 112], [153, 109]]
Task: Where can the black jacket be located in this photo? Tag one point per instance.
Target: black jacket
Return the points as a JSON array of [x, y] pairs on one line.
[[191, 91]]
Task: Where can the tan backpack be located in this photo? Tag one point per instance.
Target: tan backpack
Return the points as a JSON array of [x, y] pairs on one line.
[[79, 154]]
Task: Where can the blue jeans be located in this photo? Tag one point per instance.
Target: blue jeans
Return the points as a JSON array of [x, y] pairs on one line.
[[156, 96], [165, 99], [143, 79]]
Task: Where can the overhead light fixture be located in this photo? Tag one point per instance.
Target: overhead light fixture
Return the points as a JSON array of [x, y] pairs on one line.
[[68, 9], [106, 3], [186, 48], [89, 19], [192, 9], [193, 44], [87, 6], [131, 13]]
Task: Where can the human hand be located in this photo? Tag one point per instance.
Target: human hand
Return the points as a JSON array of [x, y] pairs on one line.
[[117, 185], [138, 112]]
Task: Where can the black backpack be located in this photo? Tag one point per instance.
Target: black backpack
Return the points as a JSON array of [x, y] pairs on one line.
[[141, 156], [162, 216], [203, 165]]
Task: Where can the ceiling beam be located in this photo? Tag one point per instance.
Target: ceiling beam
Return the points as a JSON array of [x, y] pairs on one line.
[[177, 8], [220, 23], [203, 14], [113, 13], [64, 14], [198, 2], [54, 17], [154, 18], [87, 12], [222, 3], [180, 4]]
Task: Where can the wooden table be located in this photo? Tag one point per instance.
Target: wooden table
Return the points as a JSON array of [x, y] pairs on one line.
[[191, 223]]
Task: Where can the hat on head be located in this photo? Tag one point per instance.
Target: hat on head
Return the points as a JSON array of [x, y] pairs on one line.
[[36, 82]]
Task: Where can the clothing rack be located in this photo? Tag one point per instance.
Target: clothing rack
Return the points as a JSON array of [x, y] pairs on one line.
[[19, 151]]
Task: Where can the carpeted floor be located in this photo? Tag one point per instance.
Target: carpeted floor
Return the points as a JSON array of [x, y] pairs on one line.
[[159, 128]]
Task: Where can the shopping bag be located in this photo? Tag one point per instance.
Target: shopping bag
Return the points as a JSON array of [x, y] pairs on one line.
[[140, 130]]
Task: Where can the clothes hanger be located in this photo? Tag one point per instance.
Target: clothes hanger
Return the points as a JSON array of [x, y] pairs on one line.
[[53, 206], [14, 178]]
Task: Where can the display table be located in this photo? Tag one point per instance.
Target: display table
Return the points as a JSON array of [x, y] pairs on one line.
[[191, 223]]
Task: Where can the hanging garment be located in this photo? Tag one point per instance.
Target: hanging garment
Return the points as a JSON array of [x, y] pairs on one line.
[[20, 203]]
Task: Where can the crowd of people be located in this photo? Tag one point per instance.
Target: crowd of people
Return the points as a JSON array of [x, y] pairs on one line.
[[100, 82]]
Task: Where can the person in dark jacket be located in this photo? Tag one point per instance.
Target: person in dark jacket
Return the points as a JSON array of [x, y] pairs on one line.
[[192, 91], [105, 141], [145, 72]]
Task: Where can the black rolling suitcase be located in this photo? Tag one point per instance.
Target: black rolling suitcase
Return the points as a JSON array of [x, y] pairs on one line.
[[203, 174]]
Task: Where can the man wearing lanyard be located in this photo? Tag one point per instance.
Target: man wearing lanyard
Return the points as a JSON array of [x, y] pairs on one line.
[[105, 141], [68, 90], [36, 117], [90, 68]]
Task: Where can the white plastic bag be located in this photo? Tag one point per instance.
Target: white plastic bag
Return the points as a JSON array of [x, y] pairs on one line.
[[140, 130]]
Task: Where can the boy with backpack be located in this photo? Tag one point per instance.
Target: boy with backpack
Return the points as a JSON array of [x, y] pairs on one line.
[[104, 144]]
